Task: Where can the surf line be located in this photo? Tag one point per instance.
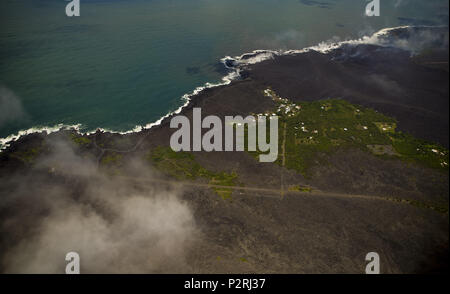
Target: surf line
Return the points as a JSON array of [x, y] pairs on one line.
[[235, 126], [234, 64]]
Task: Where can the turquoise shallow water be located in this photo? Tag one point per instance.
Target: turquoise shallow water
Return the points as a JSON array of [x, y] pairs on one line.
[[124, 63]]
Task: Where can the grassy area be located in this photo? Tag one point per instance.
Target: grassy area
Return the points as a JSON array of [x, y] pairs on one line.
[[112, 162], [386, 127], [224, 179], [420, 151], [299, 188], [314, 129], [122, 142], [182, 166], [26, 156], [111, 159], [80, 140]]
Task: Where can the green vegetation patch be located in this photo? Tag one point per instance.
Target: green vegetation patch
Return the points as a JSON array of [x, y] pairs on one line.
[[315, 129], [183, 166], [180, 165], [224, 179], [322, 127], [26, 156], [420, 151], [112, 159], [80, 140], [386, 127], [299, 188], [112, 163]]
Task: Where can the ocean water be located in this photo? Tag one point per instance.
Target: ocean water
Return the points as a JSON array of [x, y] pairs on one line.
[[124, 63]]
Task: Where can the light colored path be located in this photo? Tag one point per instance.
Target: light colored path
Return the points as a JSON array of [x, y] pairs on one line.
[[275, 193]]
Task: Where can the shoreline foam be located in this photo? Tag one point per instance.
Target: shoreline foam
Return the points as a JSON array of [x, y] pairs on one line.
[[234, 64]]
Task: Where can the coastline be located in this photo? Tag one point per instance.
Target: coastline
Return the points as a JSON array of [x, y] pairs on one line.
[[235, 65]]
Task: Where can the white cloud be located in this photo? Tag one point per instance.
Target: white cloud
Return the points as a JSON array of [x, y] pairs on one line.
[[10, 107]]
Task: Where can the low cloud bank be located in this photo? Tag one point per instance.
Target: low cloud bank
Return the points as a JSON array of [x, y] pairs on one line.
[[66, 204], [10, 107]]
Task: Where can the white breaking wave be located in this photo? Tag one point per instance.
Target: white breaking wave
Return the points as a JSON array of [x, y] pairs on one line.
[[234, 64], [6, 142], [378, 38]]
